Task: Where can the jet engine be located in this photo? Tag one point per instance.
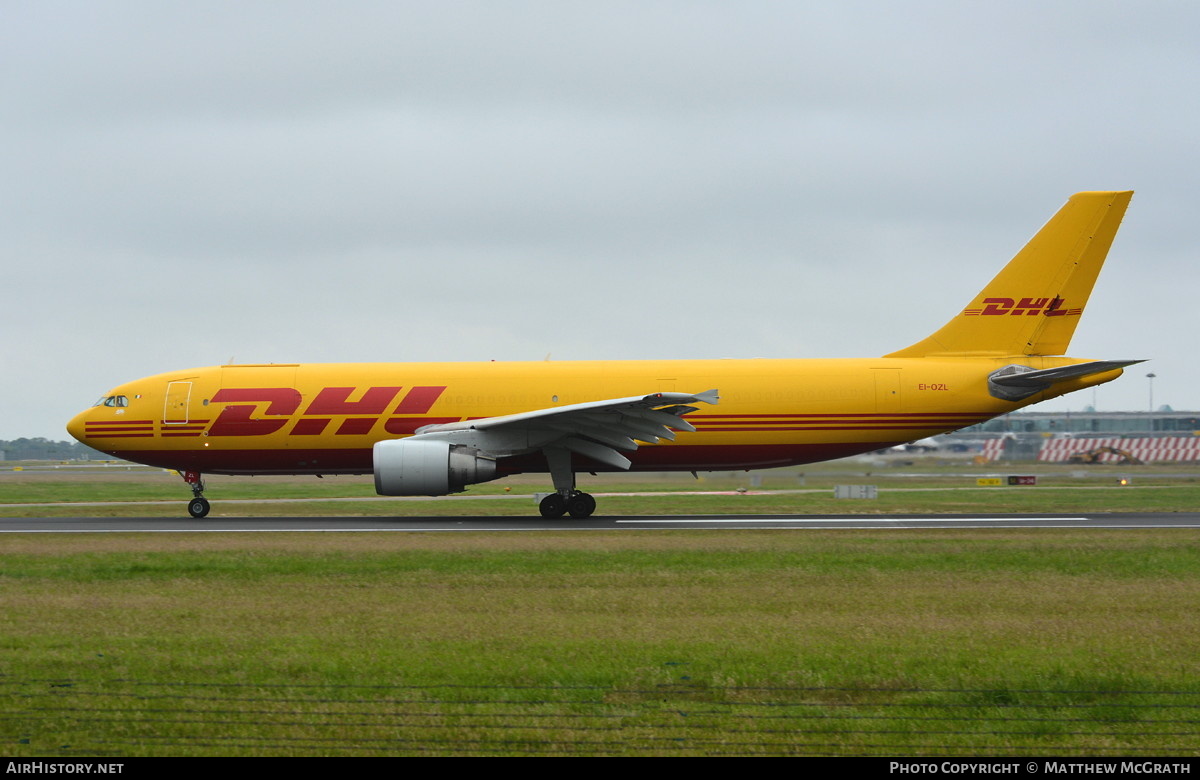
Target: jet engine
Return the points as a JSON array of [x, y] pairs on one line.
[[415, 467]]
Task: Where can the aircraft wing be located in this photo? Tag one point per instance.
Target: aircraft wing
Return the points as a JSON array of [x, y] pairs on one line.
[[600, 430]]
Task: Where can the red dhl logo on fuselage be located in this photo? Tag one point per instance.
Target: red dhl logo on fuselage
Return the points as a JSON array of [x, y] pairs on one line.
[[1051, 307], [260, 411], [238, 418]]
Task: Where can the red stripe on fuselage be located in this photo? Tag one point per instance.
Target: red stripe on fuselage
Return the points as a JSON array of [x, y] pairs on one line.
[[679, 457], [865, 415]]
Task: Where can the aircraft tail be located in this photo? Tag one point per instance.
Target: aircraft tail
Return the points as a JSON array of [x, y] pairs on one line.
[[1034, 303]]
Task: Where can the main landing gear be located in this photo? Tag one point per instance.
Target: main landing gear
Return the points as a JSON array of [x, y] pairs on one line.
[[198, 506], [576, 504], [566, 499]]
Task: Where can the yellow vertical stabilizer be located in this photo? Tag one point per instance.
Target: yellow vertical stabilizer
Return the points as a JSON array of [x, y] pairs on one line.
[[1034, 303]]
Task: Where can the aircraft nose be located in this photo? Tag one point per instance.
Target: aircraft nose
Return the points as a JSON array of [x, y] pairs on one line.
[[76, 426]]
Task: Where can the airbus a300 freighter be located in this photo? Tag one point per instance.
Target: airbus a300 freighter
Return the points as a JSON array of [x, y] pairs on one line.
[[435, 428]]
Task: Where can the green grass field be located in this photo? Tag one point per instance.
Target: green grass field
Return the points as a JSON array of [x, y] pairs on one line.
[[1031, 642]]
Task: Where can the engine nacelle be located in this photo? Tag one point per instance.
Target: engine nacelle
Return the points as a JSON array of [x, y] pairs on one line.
[[413, 467]]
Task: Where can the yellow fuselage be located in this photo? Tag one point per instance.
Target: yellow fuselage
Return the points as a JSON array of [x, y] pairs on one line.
[[325, 418]]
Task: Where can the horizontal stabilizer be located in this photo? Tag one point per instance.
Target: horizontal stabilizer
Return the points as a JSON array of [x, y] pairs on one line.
[[1015, 382]]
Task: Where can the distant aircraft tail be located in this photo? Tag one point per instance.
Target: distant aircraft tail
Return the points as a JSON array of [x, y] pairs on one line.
[[1034, 303]]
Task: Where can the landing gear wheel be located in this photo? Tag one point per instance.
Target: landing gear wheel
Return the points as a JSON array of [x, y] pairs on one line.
[[553, 506], [198, 507], [581, 505]]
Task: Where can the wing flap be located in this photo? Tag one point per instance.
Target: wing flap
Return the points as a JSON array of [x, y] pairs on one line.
[[665, 419], [597, 452]]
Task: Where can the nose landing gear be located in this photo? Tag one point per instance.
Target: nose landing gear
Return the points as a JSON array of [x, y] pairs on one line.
[[198, 506]]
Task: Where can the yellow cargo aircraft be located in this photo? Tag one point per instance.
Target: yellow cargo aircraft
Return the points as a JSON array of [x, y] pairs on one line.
[[434, 428]]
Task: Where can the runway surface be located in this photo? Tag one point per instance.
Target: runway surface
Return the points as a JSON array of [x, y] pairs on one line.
[[477, 524]]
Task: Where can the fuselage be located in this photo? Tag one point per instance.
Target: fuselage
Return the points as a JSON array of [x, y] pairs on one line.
[[325, 418]]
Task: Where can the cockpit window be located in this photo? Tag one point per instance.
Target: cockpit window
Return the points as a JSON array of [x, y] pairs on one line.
[[113, 400]]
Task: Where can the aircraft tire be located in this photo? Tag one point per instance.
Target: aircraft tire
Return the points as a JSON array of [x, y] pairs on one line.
[[198, 507], [581, 505], [553, 506]]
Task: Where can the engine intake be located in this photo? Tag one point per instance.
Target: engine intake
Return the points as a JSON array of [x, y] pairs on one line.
[[412, 467]]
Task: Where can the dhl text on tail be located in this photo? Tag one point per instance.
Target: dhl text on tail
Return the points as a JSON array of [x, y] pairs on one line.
[[434, 428]]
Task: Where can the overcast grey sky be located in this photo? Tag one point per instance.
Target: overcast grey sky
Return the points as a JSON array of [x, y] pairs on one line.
[[189, 183]]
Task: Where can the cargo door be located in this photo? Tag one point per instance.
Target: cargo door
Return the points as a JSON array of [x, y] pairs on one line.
[[176, 403]]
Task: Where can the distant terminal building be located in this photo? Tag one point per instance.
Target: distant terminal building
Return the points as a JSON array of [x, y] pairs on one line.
[[1086, 436]]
